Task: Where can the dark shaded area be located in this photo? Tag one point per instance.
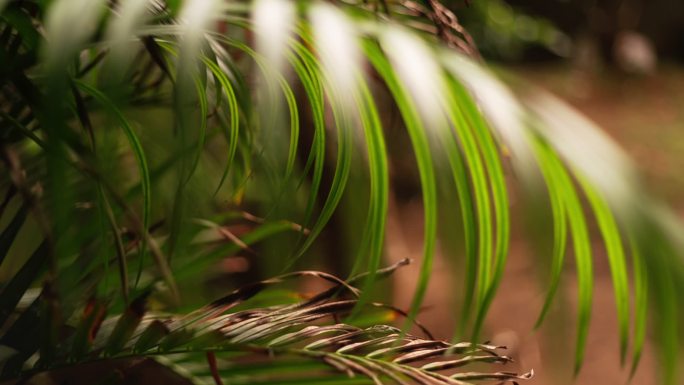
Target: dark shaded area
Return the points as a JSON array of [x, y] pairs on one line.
[[661, 21]]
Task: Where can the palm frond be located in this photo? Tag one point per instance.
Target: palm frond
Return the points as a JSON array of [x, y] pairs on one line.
[[216, 69], [305, 329]]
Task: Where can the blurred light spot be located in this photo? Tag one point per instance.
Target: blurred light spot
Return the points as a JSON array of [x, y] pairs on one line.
[[500, 13], [635, 53], [526, 28], [235, 265], [273, 21], [69, 23], [418, 70], [560, 44], [337, 45]]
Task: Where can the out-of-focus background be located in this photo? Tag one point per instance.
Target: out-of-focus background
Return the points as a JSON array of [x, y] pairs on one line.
[[619, 62]]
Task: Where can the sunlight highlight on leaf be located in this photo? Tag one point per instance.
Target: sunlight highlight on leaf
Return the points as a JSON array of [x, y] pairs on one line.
[[130, 16], [273, 22], [588, 149], [335, 39], [417, 68], [196, 17], [497, 104], [68, 24]]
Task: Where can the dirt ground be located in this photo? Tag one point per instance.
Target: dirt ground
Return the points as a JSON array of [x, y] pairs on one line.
[[644, 115]]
